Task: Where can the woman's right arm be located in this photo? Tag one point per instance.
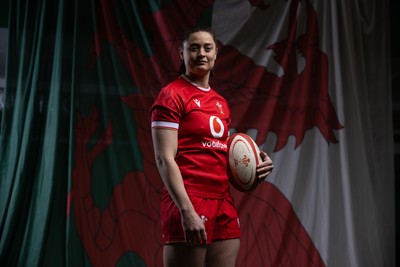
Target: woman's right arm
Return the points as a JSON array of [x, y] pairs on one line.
[[165, 143]]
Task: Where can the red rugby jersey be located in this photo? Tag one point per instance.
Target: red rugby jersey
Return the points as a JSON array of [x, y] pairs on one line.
[[202, 118]]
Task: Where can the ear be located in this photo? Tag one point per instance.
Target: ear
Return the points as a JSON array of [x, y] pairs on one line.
[[181, 52]]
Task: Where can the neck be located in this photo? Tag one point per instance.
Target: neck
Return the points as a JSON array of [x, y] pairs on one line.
[[199, 81]]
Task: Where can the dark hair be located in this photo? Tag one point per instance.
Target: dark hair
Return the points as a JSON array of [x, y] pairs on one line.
[[197, 29], [182, 69]]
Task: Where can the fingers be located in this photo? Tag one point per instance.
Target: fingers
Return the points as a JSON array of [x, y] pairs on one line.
[[265, 158], [265, 167], [204, 238], [196, 237], [194, 229]]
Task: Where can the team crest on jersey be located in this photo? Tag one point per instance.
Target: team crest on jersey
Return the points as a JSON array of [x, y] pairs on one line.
[[197, 102], [220, 108]]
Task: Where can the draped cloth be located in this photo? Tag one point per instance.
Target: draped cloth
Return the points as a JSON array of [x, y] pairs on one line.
[[308, 80]]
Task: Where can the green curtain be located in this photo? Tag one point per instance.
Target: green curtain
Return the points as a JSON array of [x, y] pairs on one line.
[[50, 80], [35, 133], [69, 148], [34, 160]]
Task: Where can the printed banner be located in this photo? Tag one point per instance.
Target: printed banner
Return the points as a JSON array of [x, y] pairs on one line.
[[308, 80]]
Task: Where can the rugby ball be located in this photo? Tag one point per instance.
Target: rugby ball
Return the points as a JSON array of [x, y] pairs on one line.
[[243, 158]]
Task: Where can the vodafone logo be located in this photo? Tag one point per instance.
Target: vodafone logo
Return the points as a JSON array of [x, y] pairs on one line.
[[214, 144], [217, 127]]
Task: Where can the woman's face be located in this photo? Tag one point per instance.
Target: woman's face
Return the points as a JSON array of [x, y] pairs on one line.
[[199, 53]]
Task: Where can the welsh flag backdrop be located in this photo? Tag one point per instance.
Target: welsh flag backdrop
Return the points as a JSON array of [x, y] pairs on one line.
[[309, 80]]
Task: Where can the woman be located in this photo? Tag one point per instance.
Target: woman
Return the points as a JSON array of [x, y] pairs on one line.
[[190, 123]]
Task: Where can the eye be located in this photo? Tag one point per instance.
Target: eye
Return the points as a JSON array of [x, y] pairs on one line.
[[208, 48], [193, 48]]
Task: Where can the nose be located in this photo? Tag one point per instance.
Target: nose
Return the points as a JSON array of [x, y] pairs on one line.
[[202, 52]]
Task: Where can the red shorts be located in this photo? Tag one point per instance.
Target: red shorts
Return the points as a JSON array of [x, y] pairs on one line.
[[221, 219]]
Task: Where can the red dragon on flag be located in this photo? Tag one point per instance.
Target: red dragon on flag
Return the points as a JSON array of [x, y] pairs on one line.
[[286, 105]]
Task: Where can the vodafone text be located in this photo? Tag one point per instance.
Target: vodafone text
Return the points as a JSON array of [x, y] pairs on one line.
[[214, 144]]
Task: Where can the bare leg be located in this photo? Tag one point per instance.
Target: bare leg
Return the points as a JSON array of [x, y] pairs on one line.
[[223, 253], [181, 255]]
